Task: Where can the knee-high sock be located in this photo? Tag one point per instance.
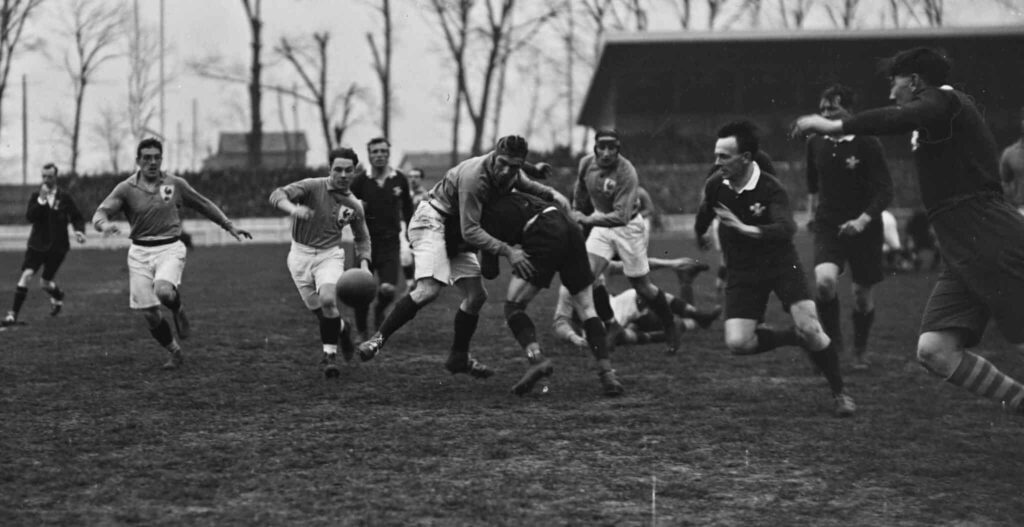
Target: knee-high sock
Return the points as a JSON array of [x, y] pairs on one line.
[[330, 330], [660, 308], [769, 338], [19, 299], [362, 312], [384, 299], [828, 313], [597, 338], [162, 333], [405, 310], [522, 328], [55, 292], [465, 326], [603, 303], [862, 322], [981, 377], [827, 361]]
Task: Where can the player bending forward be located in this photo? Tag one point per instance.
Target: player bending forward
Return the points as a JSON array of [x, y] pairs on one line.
[[151, 199], [320, 207], [757, 240]]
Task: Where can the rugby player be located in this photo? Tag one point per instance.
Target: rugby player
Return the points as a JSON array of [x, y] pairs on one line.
[[151, 200], [384, 192], [848, 187], [320, 207], [445, 233], [756, 231], [605, 200], [554, 244], [50, 210], [980, 233]]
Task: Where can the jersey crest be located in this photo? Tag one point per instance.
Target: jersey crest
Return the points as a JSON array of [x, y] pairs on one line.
[[608, 185], [345, 215], [166, 192], [852, 162], [757, 209]]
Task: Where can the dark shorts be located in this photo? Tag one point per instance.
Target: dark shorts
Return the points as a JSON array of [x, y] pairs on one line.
[[556, 245], [386, 260], [982, 243], [748, 297], [863, 252], [49, 260]]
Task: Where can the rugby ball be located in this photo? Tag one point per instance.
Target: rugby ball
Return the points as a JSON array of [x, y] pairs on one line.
[[356, 287]]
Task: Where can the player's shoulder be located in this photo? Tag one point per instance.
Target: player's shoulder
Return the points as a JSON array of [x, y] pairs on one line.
[[770, 182], [626, 167]]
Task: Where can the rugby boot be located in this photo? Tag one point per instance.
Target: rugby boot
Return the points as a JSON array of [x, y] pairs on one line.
[[56, 303], [844, 405], [610, 385], [463, 363], [369, 349], [331, 370], [181, 323], [860, 360], [9, 320], [345, 344], [175, 360], [536, 372], [673, 339]]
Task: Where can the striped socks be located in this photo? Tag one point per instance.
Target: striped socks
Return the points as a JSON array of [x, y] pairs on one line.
[[980, 377]]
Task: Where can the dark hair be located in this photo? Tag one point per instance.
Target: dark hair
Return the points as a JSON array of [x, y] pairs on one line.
[[378, 139], [344, 153], [149, 142], [512, 145], [419, 170], [48, 166], [745, 133], [930, 64], [845, 94]]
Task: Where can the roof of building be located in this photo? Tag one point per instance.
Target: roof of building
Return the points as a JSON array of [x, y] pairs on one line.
[[235, 142]]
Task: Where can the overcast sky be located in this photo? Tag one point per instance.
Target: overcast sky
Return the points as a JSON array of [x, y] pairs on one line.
[[197, 28]]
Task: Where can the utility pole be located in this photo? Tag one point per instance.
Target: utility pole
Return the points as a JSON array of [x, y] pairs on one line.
[[163, 83], [195, 138], [570, 49], [24, 131]]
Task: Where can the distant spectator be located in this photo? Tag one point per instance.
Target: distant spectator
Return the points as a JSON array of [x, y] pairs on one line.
[[1011, 168]]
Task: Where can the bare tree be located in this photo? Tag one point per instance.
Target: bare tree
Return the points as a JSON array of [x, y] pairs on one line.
[[454, 19], [13, 15], [92, 29], [684, 12], [934, 11], [110, 134], [843, 13], [382, 65], [794, 12], [312, 69], [349, 118], [254, 14], [143, 51]]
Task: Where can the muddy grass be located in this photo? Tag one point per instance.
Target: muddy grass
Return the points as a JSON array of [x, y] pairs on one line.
[[93, 432]]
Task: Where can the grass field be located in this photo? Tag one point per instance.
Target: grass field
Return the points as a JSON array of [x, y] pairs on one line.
[[248, 432]]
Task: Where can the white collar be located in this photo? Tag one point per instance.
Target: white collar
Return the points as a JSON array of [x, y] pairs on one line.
[[841, 139], [751, 183]]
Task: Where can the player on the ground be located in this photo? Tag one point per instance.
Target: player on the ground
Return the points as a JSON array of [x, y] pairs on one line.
[[1011, 168], [320, 207], [554, 244], [445, 232], [848, 187], [387, 202], [980, 233], [605, 199], [152, 200], [756, 233], [418, 193], [50, 210]]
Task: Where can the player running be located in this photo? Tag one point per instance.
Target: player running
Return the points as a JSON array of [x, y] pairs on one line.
[[387, 202], [151, 200], [848, 186], [445, 233], [756, 233], [50, 210], [980, 233], [320, 207]]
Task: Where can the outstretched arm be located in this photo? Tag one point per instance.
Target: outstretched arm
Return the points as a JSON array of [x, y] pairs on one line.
[[204, 206]]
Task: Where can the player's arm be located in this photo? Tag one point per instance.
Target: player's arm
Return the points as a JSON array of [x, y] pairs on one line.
[[542, 191], [705, 213], [1007, 177], [110, 206], [76, 218], [470, 212], [879, 177], [36, 210], [406, 198], [623, 204], [782, 226], [812, 180], [580, 194], [201, 204], [645, 205], [361, 237], [288, 199]]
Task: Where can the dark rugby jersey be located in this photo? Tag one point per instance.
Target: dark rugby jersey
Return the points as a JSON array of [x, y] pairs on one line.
[[850, 177], [766, 206], [954, 151], [386, 206], [50, 222], [506, 217]]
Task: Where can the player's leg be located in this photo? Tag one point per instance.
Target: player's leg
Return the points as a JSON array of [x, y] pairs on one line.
[[822, 353], [631, 243], [335, 331], [600, 251], [863, 318], [433, 272], [168, 265], [597, 339], [387, 264], [30, 265], [745, 302], [562, 320], [467, 316], [54, 259], [830, 254], [864, 255], [520, 293], [143, 298], [690, 313]]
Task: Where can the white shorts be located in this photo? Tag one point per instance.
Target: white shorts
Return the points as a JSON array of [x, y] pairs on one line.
[[628, 241], [313, 268], [426, 235], [146, 265], [625, 308], [890, 232], [404, 251]]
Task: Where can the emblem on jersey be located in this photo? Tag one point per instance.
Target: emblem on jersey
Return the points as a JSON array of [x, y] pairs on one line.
[[166, 192], [397, 191], [608, 186], [914, 140], [345, 215], [757, 210], [852, 162]]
